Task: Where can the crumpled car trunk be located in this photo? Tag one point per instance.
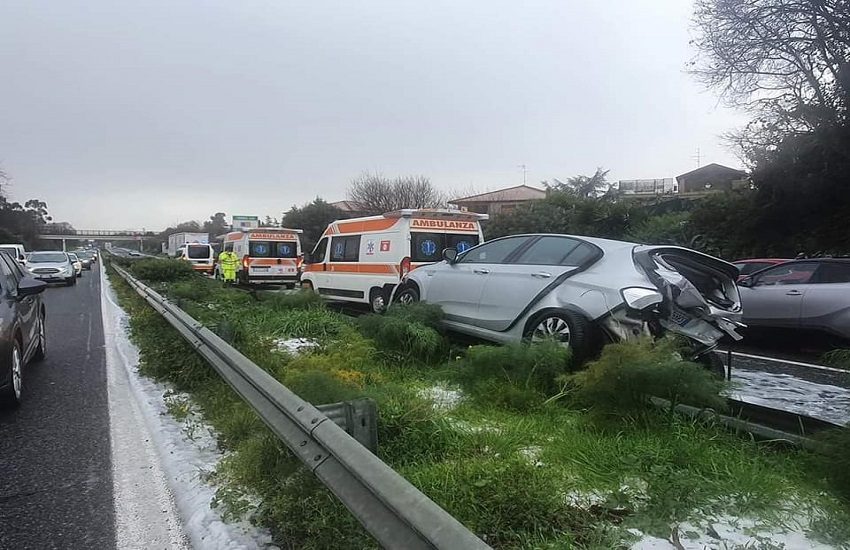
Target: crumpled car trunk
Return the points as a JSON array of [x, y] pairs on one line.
[[701, 299]]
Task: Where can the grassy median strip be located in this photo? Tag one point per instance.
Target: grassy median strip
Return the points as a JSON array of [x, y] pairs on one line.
[[512, 442]]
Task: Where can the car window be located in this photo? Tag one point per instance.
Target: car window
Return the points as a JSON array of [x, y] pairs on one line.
[[751, 267], [15, 267], [493, 252], [7, 280], [345, 249], [16, 273], [319, 251], [829, 272], [549, 251], [787, 274]]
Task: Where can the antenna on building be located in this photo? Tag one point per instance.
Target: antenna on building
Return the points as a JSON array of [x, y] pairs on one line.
[[697, 158], [524, 169]]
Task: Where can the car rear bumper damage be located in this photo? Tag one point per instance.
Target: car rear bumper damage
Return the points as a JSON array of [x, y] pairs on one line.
[[698, 296]]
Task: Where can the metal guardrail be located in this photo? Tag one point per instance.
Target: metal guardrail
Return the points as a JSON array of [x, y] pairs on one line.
[[395, 512]]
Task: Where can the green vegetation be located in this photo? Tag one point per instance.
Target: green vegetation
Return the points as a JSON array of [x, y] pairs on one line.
[[626, 375], [839, 358], [161, 269], [498, 436]]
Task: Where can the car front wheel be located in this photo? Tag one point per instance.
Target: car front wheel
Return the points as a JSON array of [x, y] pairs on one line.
[[407, 295], [12, 394], [41, 350]]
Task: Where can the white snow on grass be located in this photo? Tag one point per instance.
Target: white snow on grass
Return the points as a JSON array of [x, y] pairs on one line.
[[185, 460], [443, 398], [783, 391], [295, 346], [728, 533]]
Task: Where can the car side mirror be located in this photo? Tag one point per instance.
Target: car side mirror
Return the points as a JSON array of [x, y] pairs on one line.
[[450, 255], [748, 282], [30, 287]]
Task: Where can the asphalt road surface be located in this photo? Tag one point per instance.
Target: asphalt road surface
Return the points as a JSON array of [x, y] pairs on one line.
[[55, 463]]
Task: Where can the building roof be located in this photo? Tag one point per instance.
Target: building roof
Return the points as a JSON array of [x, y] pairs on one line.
[[518, 193], [713, 167], [347, 206]]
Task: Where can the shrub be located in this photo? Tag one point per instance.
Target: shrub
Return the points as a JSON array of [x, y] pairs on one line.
[[517, 376], [628, 373], [161, 270], [406, 330], [834, 460], [303, 299], [837, 358]]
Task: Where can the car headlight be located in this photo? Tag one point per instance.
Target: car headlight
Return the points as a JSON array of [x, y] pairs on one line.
[[641, 298]]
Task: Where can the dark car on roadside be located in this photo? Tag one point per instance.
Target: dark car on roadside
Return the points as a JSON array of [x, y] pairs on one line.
[[23, 336]]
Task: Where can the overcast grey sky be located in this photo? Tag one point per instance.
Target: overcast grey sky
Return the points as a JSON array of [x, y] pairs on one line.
[[139, 114]]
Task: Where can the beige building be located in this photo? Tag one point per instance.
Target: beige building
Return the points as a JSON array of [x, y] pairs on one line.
[[498, 202]]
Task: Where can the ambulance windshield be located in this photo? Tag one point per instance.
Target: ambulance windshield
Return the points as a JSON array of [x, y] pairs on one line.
[[272, 249], [428, 247]]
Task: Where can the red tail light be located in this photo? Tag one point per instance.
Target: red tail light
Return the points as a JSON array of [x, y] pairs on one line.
[[299, 261], [404, 266], [245, 261]]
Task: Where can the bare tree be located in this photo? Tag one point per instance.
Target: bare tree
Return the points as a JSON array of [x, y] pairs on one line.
[[785, 61], [376, 194]]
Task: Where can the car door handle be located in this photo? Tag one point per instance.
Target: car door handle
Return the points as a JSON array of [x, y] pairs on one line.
[[542, 275], [481, 271], [793, 293]]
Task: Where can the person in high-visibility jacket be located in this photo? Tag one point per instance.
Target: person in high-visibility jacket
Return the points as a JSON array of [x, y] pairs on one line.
[[228, 263]]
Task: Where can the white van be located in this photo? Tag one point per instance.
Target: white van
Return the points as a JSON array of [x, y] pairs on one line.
[[267, 254], [200, 255], [363, 259], [16, 251]]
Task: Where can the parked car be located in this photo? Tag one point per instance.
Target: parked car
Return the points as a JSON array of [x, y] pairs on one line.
[[747, 267], [580, 291], [807, 294], [78, 265], [23, 336], [17, 251], [52, 267]]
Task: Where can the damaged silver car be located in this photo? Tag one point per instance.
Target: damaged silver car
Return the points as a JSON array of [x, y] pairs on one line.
[[582, 291]]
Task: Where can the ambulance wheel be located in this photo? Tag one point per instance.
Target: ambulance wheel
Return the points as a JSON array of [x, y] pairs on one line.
[[407, 295], [307, 285], [378, 300]]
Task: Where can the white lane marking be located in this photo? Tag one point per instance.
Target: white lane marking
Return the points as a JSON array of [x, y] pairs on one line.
[[145, 512], [784, 361]]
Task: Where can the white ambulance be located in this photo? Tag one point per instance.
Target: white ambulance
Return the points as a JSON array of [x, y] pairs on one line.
[[363, 259], [266, 255]]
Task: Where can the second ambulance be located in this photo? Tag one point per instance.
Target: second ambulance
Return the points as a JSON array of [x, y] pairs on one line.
[[363, 259], [266, 255]]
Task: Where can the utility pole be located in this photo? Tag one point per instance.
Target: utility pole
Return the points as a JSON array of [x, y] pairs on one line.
[[697, 158], [524, 169]]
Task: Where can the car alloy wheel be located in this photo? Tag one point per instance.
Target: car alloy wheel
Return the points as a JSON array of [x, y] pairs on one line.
[[408, 296], [378, 301], [552, 328], [17, 373], [41, 351]]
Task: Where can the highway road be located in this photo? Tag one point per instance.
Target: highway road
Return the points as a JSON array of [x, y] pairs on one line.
[[60, 451], [55, 461]]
